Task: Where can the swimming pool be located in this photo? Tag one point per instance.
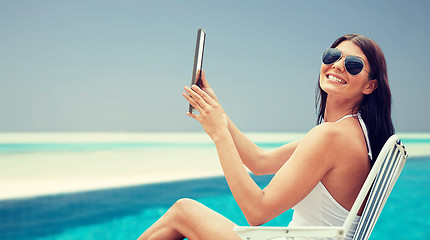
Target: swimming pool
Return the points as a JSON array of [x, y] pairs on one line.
[[124, 213]]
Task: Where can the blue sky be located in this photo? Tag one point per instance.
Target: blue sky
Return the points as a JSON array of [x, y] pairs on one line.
[[121, 65]]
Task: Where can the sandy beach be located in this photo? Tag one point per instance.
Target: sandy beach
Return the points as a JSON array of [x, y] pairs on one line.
[[28, 174], [32, 174]]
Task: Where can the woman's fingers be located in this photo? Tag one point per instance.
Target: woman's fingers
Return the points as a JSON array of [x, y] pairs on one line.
[[196, 98], [199, 96], [192, 101], [203, 95], [195, 116]]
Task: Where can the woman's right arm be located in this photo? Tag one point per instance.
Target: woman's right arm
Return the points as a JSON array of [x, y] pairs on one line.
[[257, 160]]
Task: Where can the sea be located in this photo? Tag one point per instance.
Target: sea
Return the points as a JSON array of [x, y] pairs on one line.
[[61, 186]]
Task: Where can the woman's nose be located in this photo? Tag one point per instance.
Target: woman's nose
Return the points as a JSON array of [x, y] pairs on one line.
[[339, 64]]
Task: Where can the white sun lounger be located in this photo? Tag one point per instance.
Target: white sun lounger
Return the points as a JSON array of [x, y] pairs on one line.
[[380, 181]]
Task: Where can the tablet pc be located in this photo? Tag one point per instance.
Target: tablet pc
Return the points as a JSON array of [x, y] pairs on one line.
[[198, 61]]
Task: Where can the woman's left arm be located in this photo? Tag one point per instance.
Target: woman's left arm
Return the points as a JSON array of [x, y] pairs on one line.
[[291, 183]]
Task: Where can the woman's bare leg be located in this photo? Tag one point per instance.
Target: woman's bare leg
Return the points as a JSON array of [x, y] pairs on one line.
[[190, 219]]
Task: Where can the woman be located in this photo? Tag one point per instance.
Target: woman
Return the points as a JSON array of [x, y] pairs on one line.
[[320, 175]]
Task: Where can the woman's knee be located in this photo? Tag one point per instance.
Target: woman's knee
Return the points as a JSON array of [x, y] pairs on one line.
[[175, 223], [185, 202], [183, 215], [184, 206]]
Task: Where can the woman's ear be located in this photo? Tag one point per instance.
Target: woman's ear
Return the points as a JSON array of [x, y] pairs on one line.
[[370, 86]]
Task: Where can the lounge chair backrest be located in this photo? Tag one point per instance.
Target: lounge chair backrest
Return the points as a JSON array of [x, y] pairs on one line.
[[381, 180]]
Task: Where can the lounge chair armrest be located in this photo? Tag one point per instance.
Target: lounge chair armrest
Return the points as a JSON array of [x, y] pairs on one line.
[[259, 233]]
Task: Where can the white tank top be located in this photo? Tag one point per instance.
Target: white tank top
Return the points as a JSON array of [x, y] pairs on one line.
[[319, 208]]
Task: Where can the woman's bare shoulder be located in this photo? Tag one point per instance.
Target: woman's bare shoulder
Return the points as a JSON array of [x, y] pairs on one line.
[[333, 136], [327, 131]]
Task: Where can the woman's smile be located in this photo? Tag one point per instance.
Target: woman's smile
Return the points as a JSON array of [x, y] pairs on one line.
[[335, 78]]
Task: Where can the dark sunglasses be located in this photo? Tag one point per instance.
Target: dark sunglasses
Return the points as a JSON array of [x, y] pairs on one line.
[[353, 64]]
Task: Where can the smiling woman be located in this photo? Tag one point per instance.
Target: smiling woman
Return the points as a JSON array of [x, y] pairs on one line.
[[310, 173], [375, 108]]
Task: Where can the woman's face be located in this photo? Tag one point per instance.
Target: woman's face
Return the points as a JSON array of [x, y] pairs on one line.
[[336, 81]]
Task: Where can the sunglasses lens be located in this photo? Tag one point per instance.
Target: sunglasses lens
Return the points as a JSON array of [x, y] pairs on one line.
[[353, 65], [331, 55]]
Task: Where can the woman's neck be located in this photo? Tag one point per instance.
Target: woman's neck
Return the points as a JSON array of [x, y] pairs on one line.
[[336, 109]]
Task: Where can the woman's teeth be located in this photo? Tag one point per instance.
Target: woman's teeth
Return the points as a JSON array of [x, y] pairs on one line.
[[336, 79]]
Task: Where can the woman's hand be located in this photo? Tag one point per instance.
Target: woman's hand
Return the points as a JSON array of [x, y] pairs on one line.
[[206, 88], [212, 116]]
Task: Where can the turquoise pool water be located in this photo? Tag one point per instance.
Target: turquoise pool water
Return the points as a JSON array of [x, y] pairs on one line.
[[124, 213]]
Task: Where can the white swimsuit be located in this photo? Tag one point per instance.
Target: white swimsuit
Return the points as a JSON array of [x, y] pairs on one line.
[[363, 127], [319, 208]]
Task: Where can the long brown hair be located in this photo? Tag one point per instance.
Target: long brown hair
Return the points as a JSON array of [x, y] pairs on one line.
[[375, 108]]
